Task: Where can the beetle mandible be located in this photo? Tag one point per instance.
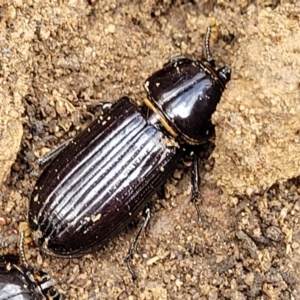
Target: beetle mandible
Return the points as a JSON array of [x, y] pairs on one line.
[[106, 175]]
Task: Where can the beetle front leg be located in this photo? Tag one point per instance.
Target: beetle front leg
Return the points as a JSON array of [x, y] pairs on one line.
[[132, 248], [196, 180], [105, 106]]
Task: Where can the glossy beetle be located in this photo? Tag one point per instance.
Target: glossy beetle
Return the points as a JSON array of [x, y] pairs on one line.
[[100, 181], [20, 282]]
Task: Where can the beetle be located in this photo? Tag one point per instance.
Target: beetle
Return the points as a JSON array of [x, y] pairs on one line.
[[20, 281], [106, 175]]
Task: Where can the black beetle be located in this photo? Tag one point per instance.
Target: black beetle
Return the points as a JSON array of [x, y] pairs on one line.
[[102, 179], [19, 281]]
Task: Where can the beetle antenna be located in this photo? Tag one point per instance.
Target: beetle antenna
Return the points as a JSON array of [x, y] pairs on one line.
[[21, 249], [206, 45]]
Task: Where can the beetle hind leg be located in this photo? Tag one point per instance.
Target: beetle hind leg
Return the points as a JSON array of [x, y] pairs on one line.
[[132, 248]]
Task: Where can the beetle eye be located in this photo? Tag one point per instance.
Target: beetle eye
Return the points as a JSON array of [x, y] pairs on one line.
[[225, 73]]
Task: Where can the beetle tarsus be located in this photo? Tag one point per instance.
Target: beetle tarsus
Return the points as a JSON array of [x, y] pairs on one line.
[[196, 180], [53, 153], [133, 245], [128, 259], [105, 105], [196, 203]]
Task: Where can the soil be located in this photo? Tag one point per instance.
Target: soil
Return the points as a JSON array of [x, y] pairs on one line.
[[59, 58]]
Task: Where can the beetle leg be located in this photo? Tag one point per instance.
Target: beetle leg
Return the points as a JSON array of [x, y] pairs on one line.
[[196, 180], [53, 153], [176, 58], [104, 105], [132, 248]]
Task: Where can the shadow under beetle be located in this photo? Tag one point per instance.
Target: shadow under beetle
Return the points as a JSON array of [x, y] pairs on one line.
[[106, 175], [19, 281]]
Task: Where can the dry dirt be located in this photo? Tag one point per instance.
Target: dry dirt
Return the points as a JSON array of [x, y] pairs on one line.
[[57, 57]]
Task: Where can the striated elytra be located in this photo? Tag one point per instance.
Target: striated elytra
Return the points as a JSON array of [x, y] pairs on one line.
[[102, 179]]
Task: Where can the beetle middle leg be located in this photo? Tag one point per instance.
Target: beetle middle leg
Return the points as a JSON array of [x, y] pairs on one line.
[[196, 180], [132, 248]]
